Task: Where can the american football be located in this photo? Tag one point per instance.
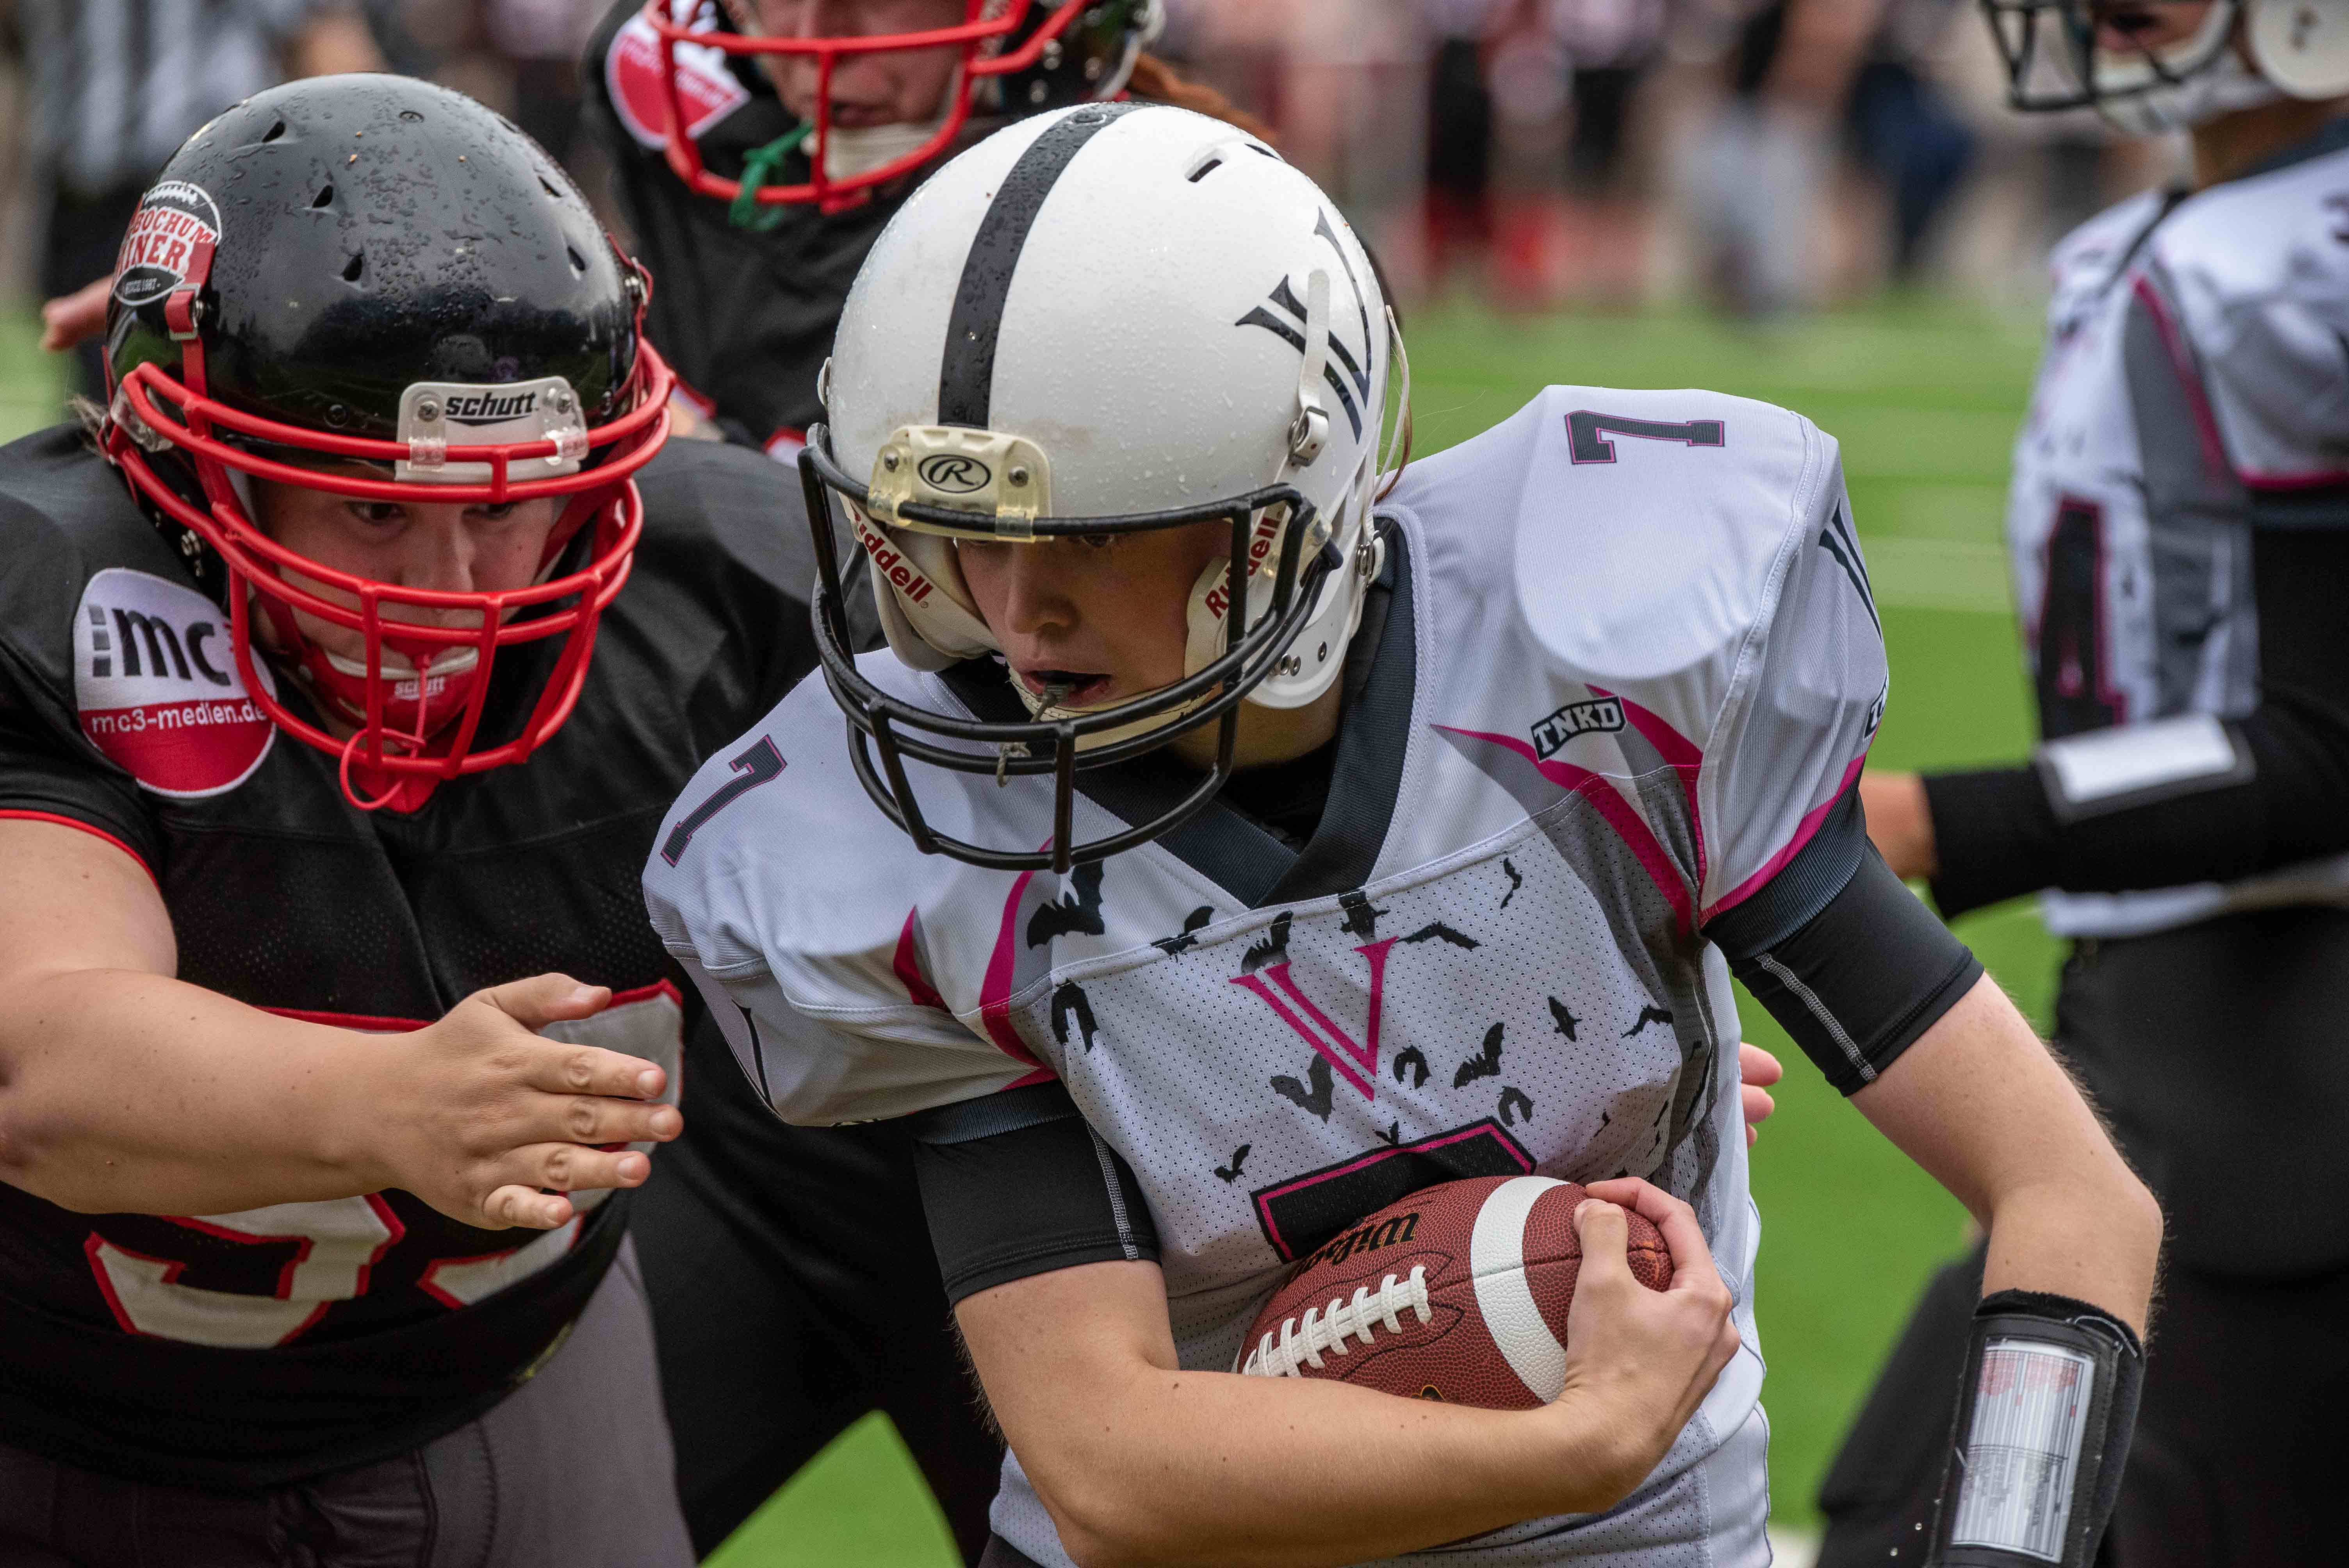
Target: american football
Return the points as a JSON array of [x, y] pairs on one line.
[[1458, 1292]]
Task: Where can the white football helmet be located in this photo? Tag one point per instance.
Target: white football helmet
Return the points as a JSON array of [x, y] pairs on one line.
[[1112, 319], [2290, 49]]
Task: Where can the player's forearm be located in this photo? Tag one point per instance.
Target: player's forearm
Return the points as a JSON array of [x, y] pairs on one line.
[[133, 1092], [1205, 1467], [2094, 1240], [1982, 1106]]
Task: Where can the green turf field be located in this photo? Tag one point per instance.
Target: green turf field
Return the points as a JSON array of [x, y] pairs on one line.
[[1925, 401]]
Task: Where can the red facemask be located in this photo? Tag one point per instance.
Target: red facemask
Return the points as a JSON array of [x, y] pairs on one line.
[[691, 98], [407, 733]]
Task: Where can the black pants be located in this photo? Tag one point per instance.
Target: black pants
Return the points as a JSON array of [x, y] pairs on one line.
[[2217, 1053], [794, 1289], [569, 1471]]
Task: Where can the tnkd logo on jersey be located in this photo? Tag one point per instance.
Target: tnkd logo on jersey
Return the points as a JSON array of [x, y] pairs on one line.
[[1601, 715], [157, 690], [1357, 1062]]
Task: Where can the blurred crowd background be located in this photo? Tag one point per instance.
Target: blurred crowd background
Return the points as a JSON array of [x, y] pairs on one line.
[[1821, 203], [1764, 156]]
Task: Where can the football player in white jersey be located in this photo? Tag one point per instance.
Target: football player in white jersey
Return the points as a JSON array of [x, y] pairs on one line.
[[2180, 521], [1290, 848]]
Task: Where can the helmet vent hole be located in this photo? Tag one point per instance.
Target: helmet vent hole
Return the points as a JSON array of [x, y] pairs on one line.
[[1209, 167], [352, 268], [548, 186], [325, 197], [578, 262], [274, 131]]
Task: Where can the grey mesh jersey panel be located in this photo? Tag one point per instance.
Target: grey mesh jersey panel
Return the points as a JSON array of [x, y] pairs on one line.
[[2191, 369], [1640, 680]]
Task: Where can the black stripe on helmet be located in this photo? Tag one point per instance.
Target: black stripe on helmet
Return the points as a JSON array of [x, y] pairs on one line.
[[967, 374]]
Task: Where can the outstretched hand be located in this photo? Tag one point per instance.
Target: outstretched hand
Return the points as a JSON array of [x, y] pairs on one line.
[[71, 320], [495, 1126]]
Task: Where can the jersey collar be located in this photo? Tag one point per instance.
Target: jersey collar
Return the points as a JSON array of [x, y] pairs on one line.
[[1225, 844]]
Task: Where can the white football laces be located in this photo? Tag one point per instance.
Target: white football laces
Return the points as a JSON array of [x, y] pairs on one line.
[[1303, 1340]]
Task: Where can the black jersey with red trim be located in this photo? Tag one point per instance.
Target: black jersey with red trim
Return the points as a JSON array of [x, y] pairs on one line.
[[247, 1349], [744, 317]]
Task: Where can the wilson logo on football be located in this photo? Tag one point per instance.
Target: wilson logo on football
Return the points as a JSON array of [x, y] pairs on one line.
[[174, 220], [157, 687]]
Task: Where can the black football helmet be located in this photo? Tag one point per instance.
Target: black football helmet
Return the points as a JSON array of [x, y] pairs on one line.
[[375, 287]]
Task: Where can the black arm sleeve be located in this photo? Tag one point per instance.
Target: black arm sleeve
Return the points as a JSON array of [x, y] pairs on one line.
[[1017, 1183], [1844, 955], [1998, 834]]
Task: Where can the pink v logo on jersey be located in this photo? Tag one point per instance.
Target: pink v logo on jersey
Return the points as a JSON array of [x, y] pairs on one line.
[[1357, 1063]]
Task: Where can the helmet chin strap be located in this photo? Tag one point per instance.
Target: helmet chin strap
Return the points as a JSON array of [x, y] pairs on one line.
[[2227, 86], [852, 151]]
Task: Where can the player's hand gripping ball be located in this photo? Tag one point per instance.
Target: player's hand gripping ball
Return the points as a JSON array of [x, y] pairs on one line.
[[1458, 1292]]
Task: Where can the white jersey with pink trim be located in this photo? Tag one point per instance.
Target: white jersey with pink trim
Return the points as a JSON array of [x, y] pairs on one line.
[[1623, 663], [2196, 381]]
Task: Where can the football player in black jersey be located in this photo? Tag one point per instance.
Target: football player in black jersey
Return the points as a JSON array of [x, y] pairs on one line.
[[781, 1313], [346, 666], [757, 217]]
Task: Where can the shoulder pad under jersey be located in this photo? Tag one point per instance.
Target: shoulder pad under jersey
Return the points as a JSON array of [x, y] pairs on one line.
[[1692, 556], [2251, 278]]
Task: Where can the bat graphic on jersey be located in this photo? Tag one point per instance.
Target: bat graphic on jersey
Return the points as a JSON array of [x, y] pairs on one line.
[[1514, 1100], [1649, 1014], [1361, 919], [1273, 949], [1516, 880], [1077, 911], [1316, 1101], [1193, 923], [1486, 1063], [1567, 1022], [1232, 1172], [1416, 1060], [1068, 1001], [1438, 932]]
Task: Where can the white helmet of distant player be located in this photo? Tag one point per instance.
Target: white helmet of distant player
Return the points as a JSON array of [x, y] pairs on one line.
[[2243, 54], [1115, 319]]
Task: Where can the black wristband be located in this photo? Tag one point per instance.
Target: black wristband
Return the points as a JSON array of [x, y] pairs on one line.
[[2044, 1416]]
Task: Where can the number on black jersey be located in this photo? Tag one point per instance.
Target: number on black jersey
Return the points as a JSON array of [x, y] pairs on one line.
[[2075, 691]]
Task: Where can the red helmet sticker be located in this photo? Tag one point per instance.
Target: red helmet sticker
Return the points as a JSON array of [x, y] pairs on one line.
[[174, 220], [158, 689], [634, 72]]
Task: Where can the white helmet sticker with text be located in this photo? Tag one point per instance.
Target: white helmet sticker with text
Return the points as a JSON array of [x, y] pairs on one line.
[[155, 687], [707, 91], [173, 221]]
